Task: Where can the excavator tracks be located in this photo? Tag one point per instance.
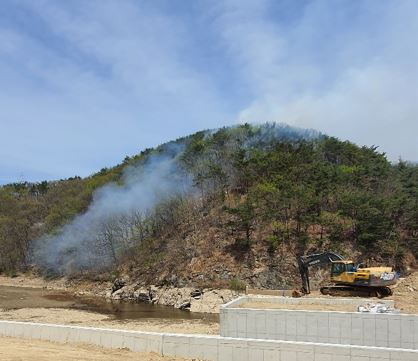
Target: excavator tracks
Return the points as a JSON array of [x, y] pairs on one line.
[[364, 291]]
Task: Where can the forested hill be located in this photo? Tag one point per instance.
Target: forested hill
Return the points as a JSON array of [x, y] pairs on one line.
[[217, 208]]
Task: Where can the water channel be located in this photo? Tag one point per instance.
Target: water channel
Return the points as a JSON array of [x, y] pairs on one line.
[[22, 297]]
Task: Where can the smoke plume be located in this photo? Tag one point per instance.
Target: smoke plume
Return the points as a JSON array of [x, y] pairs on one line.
[[77, 245], [119, 213]]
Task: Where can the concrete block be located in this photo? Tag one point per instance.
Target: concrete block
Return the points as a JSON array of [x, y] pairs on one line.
[[240, 353], [17, 330], [382, 331], [301, 326], [176, 345], [225, 351], [323, 328], [137, 342], [271, 331], [105, 338], [27, 331], [35, 332], [331, 349], [323, 357], [233, 324], [403, 355], [342, 358], [360, 358], [85, 335], [361, 352], [117, 339], [13, 330], [226, 347], [416, 333], [203, 347], [290, 330], [221, 349], [256, 354], [242, 324], [260, 323], [46, 333], [95, 337], [6, 328], [305, 356], [312, 325], [407, 331], [59, 334], [271, 355], [334, 327], [345, 328], [250, 330], [394, 327], [289, 355], [129, 341], [380, 353], [369, 329], [154, 342], [280, 325]]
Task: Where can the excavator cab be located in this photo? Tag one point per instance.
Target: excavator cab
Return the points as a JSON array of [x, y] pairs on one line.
[[340, 267], [343, 271]]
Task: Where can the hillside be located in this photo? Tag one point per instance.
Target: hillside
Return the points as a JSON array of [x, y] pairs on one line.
[[217, 208]]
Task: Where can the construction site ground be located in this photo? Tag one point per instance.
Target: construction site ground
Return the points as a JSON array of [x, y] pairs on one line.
[[91, 319], [13, 349], [405, 295]]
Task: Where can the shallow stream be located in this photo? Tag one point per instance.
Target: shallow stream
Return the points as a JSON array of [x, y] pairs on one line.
[[22, 297]]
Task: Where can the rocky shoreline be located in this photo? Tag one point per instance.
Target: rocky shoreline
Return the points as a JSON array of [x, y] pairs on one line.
[[205, 300]]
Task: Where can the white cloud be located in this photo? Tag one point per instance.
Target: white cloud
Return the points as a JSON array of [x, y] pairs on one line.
[[355, 78], [86, 85]]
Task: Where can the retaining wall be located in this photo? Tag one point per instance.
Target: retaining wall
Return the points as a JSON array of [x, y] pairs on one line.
[[347, 328], [214, 348], [355, 302]]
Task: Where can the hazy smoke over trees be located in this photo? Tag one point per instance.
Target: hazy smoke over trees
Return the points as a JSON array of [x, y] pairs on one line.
[[116, 216], [152, 192]]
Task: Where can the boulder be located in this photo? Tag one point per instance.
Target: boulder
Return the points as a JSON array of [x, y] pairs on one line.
[[142, 295], [118, 284], [211, 300]]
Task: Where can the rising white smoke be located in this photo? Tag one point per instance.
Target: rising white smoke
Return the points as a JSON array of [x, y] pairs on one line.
[[80, 244], [140, 189]]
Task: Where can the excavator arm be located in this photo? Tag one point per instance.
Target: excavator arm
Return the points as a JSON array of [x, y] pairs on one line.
[[305, 262]]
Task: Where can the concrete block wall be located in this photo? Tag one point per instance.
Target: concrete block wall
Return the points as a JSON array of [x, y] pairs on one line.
[[347, 328], [355, 302], [211, 348]]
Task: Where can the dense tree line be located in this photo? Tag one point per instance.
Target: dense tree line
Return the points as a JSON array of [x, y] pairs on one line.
[[274, 185]]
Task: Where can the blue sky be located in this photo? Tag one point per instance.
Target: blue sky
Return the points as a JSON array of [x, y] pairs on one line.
[[85, 82]]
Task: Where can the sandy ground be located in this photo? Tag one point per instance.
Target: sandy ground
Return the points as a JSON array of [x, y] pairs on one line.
[[317, 307], [12, 349], [405, 293], [32, 281], [90, 319]]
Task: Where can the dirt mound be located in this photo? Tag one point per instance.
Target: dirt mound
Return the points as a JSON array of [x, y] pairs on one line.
[[408, 284], [405, 294]]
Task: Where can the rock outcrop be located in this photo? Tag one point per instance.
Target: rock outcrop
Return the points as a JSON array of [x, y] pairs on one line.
[[185, 298]]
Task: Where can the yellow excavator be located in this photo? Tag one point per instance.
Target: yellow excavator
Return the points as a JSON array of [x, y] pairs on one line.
[[348, 278]]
